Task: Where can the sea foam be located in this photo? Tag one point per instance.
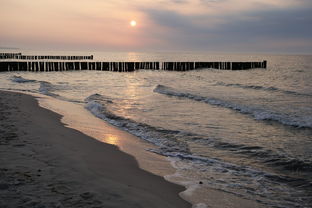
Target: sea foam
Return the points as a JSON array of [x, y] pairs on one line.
[[256, 112]]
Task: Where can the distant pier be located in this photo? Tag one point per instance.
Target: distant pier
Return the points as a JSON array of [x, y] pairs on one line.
[[48, 66]]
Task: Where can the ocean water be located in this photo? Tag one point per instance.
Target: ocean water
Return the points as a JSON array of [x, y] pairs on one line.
[[248, 133]]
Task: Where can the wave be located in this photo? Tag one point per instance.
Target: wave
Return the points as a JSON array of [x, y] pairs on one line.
[[257, 113], [176, 142], [45, 88], [268, 157], [252, 183], [167, 140], [256, 87], [232, 178], [246, 182], [20, 79]]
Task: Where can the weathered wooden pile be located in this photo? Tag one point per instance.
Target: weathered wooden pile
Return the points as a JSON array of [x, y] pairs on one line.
[[69, 64], [42, 66], [186, 66], [19, 56], [9, 55]]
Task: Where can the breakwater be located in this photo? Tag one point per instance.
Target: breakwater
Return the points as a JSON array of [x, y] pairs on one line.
[[19, 56], [46, 66]]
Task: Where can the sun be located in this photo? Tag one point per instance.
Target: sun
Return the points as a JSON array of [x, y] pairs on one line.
[[133, 23]]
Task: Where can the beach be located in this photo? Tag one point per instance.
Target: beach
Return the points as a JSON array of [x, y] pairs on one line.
[[45, 164], [202, 104]]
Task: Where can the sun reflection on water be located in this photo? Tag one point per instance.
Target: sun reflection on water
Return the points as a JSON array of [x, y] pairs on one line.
[[130, 104], [133, 57], [111, 139]]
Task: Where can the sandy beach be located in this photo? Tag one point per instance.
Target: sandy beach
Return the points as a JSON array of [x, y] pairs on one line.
[[44, 164], [156, 104]]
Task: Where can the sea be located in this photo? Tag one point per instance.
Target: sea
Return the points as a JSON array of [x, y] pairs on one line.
[[245, 133]]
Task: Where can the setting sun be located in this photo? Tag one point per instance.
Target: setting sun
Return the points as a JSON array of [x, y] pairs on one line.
[[133, 23]]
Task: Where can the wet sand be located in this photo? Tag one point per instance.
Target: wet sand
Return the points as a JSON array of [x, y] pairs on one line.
[[44, 164]]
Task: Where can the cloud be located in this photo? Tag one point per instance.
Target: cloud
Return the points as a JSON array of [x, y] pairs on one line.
[[274, 24], [236, 25], [236, 30]]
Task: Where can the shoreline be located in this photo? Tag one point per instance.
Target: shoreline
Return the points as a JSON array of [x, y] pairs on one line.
[[45, 163]]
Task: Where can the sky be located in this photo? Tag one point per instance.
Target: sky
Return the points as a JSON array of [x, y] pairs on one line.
[[278, 26]]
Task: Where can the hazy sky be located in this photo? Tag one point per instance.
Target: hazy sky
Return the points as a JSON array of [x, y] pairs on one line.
[[212, 25]]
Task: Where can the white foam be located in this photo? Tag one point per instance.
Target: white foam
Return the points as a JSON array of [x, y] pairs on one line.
[[256, 87], [95, 108], [257, 112], [96, 104]]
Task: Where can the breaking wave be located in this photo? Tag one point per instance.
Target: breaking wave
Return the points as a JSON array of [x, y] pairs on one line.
[[167, 140], [256, 87], [257, 113], [174, 144], [45, 88], [20, 79]]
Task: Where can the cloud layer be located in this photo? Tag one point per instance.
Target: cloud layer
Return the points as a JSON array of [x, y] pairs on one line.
[[212, 25]]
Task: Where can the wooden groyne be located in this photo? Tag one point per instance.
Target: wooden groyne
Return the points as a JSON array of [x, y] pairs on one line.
[[9, 55], [46, 66], [19, 56], [16, 54]]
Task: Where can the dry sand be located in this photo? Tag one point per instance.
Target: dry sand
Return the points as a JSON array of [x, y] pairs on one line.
[[44, 164]]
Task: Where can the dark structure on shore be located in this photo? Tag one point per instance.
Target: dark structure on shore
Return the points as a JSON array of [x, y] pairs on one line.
[[47, 64]]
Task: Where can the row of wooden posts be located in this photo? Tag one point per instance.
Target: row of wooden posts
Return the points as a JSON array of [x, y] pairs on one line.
[[19, 56], [8, 54], [42, 66]]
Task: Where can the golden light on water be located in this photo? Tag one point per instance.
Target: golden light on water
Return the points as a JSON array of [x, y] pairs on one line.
[[133, 23], [112, 139]]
